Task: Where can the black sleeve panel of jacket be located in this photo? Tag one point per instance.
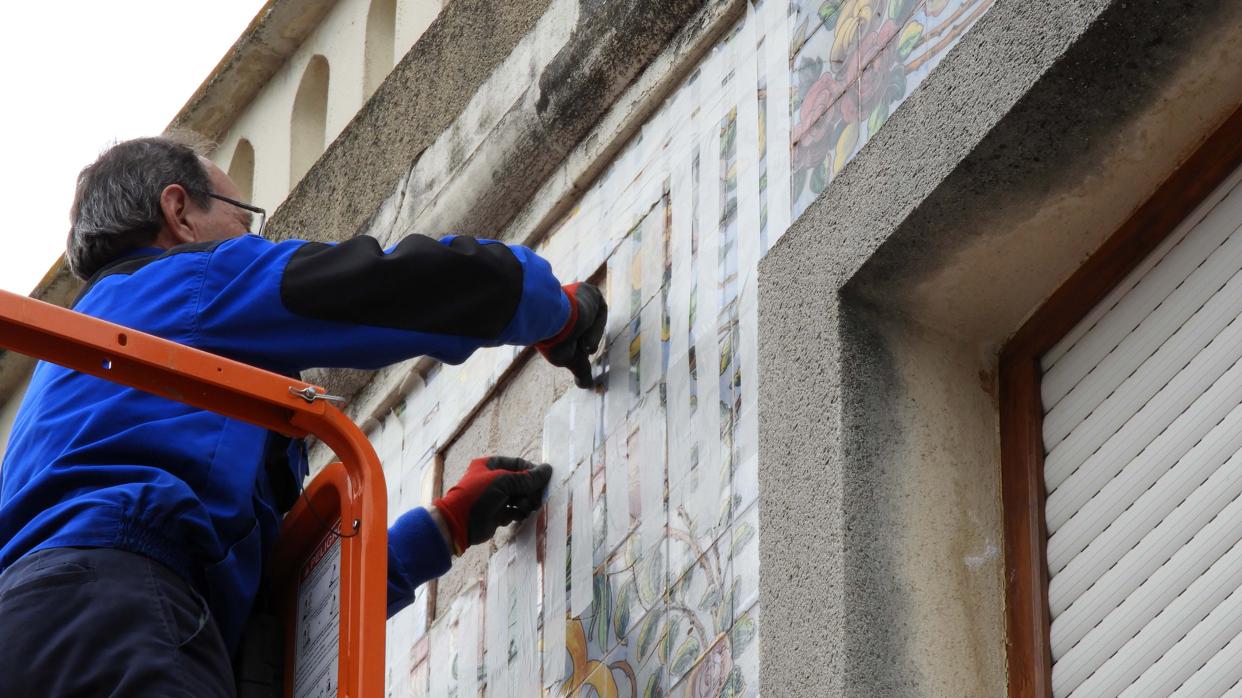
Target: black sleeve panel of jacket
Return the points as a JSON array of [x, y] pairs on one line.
[[464, 288]]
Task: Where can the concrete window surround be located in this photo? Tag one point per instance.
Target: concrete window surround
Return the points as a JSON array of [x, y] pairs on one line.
[[883, 308]]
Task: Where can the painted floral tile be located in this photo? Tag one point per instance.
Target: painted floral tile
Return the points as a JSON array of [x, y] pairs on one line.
[[837, 109], [743, 680], [698, 522], [637, 666], [942, 24], [744, 562], [637, 583], [700, 609], [730, 669], [822, 147], [885, 84]]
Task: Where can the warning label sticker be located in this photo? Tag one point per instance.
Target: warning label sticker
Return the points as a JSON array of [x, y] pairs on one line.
[[317, 638]]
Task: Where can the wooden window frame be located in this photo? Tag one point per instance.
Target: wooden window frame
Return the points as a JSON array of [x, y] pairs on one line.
[[1021, 410]]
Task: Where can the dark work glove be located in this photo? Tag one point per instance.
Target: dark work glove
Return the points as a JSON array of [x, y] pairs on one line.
[[494, 492], [572, 347]]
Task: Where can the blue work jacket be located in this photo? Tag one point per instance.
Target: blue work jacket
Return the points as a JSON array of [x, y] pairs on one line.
[[92, 463]]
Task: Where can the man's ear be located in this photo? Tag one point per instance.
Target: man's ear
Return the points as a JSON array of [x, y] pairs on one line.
[[175, 207]]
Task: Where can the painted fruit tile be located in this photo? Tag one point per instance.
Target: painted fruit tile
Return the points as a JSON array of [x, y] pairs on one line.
[[880, 24], [709, 676], [883, 87], [824, 148], [816, 81], [583, 658]]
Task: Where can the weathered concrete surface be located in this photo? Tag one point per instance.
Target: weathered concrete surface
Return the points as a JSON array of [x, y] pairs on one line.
[[564, 188], [610, 42], [882, 309]]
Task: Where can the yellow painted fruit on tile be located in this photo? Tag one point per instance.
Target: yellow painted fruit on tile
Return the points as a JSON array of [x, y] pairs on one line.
[[576, 646], [855, 20], [845, 147], [601, 680], [911, 35]]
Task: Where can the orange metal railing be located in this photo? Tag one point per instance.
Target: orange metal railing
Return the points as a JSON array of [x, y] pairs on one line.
[[351, 491]]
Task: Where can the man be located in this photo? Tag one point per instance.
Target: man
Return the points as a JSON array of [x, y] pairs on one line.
[[134, 530]]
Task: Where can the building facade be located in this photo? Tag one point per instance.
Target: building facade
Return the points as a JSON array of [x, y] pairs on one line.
[[918, 367]]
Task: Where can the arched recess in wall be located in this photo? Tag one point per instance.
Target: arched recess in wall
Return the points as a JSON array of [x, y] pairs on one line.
[[241, 169], [310, 113], [381, 33]]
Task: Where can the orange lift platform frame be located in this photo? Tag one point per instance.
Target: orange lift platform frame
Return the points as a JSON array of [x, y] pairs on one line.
[[350, 491]]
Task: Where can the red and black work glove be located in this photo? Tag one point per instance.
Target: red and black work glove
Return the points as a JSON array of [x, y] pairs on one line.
[[572, 347], [494, 492]]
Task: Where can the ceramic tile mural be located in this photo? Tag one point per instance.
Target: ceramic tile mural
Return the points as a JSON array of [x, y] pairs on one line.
[[642, 576], [854, 62]]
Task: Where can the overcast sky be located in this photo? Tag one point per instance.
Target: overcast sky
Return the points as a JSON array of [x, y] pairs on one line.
[[76, 75]]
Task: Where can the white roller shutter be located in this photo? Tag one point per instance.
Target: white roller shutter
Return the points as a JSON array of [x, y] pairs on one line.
[[1143, 469]]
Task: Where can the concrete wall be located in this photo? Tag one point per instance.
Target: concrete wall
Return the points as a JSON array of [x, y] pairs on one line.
[[879, 494]]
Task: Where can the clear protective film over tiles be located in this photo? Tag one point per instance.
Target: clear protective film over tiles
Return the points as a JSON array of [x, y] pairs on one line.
[[641, 578]]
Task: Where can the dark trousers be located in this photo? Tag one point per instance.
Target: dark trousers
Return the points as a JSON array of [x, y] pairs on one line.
[[102, 622]]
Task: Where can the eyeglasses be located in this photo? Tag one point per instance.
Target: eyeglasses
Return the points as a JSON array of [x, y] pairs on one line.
[[258, 230]]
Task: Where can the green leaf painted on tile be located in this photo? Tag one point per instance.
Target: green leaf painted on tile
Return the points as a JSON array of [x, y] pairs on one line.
[[674, 628], [742, 534], [653, 689], [685, 655], [735, 685], [600, 629], [799, 181], [649, 633], [819, 180], [830, 12], [710, 599], [651, 577], [742, 633], [725, 609], [877, 118], [910, 37], [900, 9], [621, 610]]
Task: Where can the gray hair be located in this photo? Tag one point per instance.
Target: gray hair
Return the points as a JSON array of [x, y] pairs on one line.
[[116, 206]]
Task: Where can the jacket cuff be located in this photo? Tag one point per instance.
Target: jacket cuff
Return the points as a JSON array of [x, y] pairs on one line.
[[416, 550], [566, 330], [544, 307]]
